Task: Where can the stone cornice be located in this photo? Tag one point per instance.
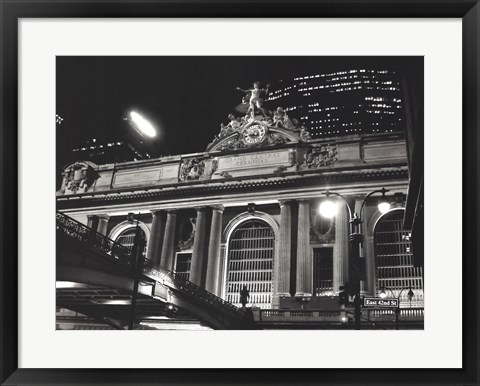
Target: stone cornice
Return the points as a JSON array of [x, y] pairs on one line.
[[233, 186]]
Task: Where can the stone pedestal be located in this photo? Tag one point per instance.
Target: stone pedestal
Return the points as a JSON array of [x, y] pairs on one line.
[[304, 251], [167, 259], [157, 233], [214, 260]]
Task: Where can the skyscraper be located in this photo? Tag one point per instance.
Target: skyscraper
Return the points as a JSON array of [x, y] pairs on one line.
[[355, 101]]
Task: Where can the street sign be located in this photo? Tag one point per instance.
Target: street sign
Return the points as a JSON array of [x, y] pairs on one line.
[[380, 302]]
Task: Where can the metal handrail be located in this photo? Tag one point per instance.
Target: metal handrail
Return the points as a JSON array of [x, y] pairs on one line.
[[80, 232], [175, 281]]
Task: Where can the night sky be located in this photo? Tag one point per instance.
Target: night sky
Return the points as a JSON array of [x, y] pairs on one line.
[[185, 98]]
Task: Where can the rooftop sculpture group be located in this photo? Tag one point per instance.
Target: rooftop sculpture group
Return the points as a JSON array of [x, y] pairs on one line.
[[258, 125]]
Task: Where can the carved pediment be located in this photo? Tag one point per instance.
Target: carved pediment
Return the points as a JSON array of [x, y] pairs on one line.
[[261, 131]]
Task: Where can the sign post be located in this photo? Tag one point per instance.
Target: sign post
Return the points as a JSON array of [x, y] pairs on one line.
[[384, 303], [381, 302]]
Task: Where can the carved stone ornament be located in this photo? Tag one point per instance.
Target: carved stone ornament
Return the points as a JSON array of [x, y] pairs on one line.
[[214, 166], [266, 129], [191, 169], [233, 144], [320, 156], [188, 243], [322, 231], [78, 178]]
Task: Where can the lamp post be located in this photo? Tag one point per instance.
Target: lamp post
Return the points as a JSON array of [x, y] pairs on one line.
[[137, 265], [356, 262], [410, 295]]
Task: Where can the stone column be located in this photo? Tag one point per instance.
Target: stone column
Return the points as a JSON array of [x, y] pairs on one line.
[[282, 266], [304, 251], [157, 233], [103, 224], [167, 258], [340, 251], [92, 222], [222, 268], [198, 252], [213, 263]]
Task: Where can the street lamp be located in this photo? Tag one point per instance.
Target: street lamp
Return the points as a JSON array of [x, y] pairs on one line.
[[383, 294], [328, 208]]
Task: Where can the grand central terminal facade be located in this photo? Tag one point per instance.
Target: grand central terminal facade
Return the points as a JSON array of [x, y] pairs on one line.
[[245, 212]]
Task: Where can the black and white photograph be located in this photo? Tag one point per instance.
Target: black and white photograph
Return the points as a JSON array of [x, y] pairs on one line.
[[239, 193]]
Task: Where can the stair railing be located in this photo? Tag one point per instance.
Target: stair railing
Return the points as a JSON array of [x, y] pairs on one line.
[[80, 232], [175, 281]]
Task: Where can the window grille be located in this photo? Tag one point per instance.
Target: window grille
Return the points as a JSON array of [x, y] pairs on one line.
[[127, 238], [394, 269], [323, 271], [250, 263], [182, 267]]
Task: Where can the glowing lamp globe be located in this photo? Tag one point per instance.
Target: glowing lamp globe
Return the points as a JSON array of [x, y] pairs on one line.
[[383, 207], [328, 209]]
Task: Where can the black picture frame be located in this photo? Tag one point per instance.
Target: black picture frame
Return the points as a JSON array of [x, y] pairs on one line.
[[12, 11]]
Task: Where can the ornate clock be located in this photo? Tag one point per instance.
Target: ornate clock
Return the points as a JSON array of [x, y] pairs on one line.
[[254, 134]]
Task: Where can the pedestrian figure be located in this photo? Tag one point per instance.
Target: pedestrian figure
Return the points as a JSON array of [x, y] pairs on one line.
[[244, 295]]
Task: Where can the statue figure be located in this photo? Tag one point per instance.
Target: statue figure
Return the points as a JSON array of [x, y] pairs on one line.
[[234, 123], [281, 119], [192, 169], [256, 99], [304, 134], [224, 130]]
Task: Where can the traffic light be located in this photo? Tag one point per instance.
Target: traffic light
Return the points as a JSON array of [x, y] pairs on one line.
[[343, 294]]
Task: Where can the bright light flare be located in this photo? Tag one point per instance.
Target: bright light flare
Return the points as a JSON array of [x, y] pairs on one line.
[[384, 207], [142, 125], [328, 208]]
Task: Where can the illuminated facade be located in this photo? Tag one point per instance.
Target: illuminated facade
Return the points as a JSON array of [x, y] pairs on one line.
[[245, 213], [355, 101]]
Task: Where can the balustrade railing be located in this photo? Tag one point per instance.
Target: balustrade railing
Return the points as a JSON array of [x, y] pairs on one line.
[[80, 232]]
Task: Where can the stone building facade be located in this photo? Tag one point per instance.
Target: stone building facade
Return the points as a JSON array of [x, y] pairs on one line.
[[245, 212]]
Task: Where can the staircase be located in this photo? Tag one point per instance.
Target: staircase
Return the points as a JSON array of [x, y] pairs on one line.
[[209, 308]]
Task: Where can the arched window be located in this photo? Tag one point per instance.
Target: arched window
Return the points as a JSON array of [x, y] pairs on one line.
[[394, 270], [127, 238], [250, 262]]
